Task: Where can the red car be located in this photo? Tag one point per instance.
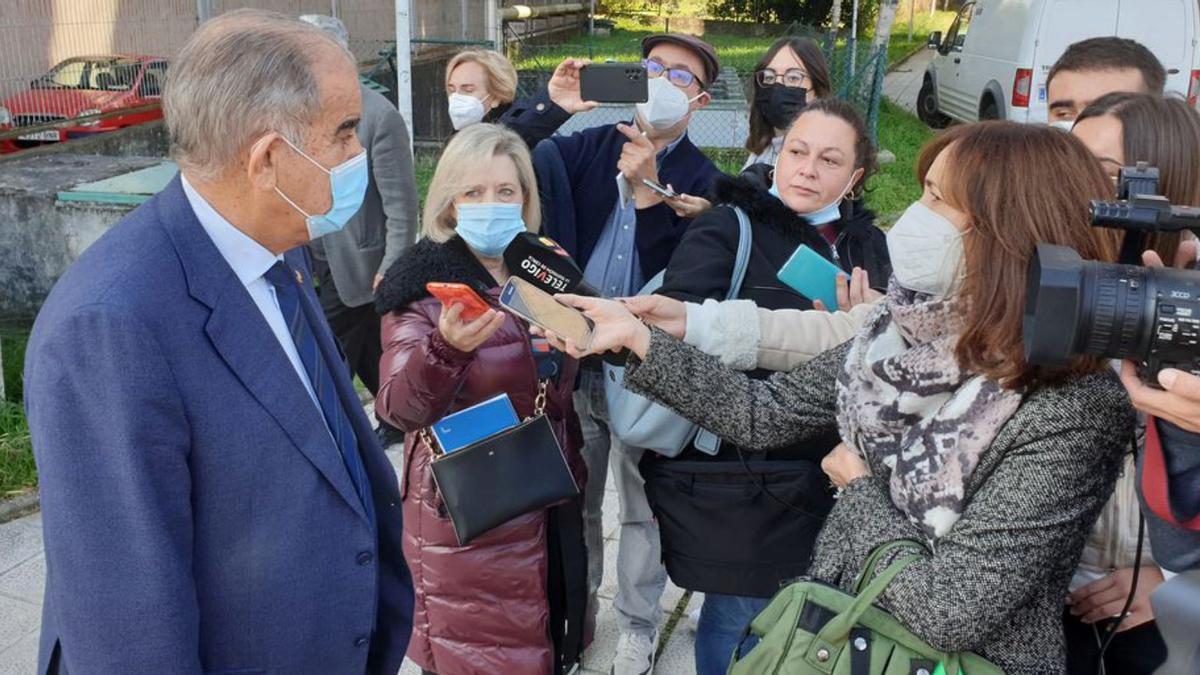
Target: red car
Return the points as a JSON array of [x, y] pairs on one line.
[[85, 86]]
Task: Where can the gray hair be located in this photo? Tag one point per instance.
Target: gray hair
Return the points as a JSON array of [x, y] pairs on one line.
[[331, 25], [239, 76]]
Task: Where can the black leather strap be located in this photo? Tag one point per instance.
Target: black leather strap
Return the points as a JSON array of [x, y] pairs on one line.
[[860, 652]]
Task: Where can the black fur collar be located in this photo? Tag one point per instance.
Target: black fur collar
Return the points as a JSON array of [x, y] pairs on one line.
[[748, 192], [428, 261]]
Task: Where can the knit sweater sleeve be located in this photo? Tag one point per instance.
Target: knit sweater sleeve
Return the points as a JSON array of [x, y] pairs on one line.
[[1026, 521], [785, 409]]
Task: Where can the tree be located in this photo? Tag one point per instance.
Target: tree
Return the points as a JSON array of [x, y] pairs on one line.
[[883, 25], [835, 16]]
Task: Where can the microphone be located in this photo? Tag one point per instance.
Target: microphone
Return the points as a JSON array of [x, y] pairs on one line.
[[542, 262]]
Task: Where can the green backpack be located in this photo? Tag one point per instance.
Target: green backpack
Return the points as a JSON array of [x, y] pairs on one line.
[[812, 628]]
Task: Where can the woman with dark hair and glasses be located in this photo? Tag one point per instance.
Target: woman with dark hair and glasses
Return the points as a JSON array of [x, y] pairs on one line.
[[789, 76]]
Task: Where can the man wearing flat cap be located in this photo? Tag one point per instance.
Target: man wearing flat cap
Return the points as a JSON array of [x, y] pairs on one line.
[[623, 233]]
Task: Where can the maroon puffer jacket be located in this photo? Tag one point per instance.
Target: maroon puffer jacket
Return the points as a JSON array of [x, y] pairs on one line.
[[480, 608]]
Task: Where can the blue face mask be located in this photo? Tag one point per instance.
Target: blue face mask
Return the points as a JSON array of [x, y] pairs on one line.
[[489, 228], [824, 215], [347, 185]]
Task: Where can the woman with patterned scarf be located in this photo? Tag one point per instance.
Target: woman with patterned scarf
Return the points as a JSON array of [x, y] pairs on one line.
[[949, 436]]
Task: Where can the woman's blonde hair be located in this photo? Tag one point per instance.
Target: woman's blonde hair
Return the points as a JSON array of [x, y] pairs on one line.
[[499, 71], [463, 154]]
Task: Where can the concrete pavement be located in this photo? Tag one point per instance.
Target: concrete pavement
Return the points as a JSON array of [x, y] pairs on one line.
[[904, 83]]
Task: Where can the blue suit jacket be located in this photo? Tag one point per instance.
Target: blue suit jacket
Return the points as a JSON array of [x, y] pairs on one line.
[[197, 514]]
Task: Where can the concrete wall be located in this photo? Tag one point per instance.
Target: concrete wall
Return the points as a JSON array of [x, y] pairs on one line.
[[40, 236]]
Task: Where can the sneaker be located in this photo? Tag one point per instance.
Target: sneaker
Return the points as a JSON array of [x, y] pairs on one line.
[[635, 654]]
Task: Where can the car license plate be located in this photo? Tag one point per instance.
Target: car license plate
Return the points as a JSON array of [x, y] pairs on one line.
[[40, 136]]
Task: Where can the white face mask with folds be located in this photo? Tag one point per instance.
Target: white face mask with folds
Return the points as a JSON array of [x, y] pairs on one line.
[[465, 110], [926, 252], [666, 105]]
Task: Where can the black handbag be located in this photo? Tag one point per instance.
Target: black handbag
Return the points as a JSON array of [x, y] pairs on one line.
[[760, 520], [508, 474]]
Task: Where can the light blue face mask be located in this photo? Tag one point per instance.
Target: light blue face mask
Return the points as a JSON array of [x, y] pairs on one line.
[[347, 185], [824, 215], [489, 228]]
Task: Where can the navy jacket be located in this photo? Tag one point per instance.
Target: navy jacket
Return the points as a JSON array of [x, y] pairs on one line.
[[534, 118], [198, 516], [577, 182]]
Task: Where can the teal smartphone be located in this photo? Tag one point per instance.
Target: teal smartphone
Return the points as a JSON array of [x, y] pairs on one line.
[[812, 276]]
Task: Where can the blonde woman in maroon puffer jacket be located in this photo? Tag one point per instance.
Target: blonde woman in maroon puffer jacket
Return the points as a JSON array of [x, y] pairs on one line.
[[490, 606]]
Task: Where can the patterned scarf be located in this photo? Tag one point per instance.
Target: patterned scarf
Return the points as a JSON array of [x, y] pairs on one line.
[[904, 402]]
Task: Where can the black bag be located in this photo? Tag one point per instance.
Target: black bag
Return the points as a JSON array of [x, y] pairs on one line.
[[736, 527], [509, 474]]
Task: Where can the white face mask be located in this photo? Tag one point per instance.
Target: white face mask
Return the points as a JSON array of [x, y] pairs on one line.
[[465, 110], [666, 106], [926, 252], [1065, 125]]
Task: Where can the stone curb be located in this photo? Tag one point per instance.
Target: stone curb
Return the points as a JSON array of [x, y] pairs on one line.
[[21, 505]]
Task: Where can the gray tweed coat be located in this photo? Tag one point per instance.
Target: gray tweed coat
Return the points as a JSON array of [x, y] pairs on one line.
[[996, 583]]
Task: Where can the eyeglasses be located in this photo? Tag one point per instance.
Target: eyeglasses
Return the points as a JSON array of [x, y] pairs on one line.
[[794, 77], [680, 77]]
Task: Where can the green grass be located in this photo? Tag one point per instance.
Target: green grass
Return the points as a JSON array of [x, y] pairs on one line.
[[899, 45], [17, 470], [894, 187], [624, 44]]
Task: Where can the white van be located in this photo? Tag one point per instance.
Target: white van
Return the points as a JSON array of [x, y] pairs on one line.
[[993, 62]]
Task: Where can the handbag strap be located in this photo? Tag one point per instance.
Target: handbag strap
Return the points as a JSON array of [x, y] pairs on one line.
[[836, 631], [741, 261], [879, 553], [539, 408]]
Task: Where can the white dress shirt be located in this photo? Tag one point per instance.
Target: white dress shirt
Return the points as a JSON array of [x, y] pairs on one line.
[[250, 261]]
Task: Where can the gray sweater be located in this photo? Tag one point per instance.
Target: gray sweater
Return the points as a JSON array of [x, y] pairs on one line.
[[995, 584]]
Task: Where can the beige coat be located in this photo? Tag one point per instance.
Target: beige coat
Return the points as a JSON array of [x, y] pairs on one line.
[[746, 337]]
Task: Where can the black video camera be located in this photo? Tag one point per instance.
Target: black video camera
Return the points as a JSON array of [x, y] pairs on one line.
[[1122, 311]]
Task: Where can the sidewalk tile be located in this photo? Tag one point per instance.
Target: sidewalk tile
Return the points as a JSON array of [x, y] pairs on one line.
[[26, 581], [20, 540], [20, 619], [20, 657]]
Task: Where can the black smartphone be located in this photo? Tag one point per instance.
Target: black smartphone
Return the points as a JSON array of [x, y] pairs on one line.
[[660, 189], [613, 83]]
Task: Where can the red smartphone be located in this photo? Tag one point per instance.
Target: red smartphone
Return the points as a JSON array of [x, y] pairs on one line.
[[448, 294]]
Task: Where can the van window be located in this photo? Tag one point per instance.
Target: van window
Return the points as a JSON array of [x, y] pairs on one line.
[[957, 35]]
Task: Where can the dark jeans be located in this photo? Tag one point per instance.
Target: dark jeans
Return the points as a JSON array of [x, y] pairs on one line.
[[723, 619], [356, 328], [1138, 651]]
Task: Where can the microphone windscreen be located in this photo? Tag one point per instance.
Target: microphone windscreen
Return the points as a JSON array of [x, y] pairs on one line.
[[542, 262]]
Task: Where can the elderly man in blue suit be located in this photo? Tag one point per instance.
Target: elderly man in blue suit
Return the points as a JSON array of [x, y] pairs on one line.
[[213, 496]]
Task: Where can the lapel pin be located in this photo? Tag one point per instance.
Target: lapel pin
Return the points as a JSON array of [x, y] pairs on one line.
[[299, 278]]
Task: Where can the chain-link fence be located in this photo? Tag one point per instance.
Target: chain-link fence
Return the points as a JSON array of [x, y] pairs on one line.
[[856, 68]]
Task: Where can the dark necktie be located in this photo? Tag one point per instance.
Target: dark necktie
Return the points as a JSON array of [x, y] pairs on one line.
[[303, 327]]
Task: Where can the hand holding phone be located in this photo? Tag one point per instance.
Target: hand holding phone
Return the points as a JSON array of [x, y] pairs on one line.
[[473, 306], [811, 275], [541, 309], [660, 189], [613, 83]]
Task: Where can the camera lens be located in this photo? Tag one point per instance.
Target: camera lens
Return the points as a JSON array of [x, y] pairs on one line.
[[1117, 310]]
